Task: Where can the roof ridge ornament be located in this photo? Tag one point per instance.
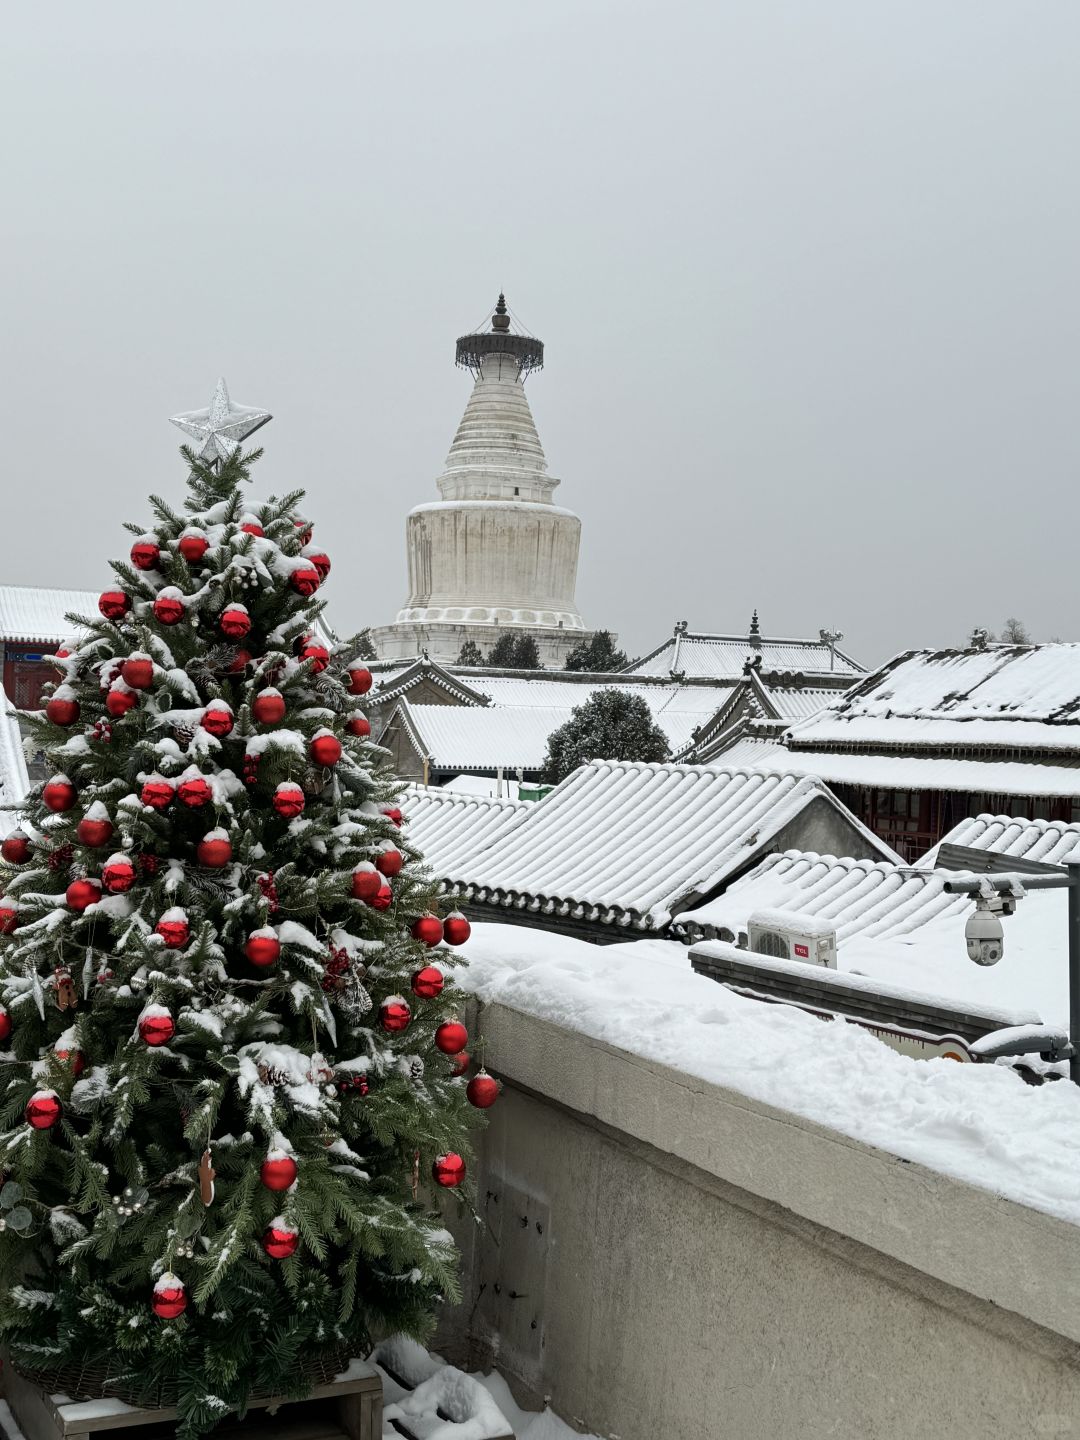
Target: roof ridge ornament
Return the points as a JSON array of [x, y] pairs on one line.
[[754, 638]]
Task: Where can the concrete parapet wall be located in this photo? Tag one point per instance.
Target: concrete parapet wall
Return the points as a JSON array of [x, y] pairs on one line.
[[666, 1257]]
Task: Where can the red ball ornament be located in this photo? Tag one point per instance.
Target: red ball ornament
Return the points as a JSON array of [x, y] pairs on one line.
[[390, 862], [288, 800], [77, 1058], [9, 917], [214, 852], [193, 792], [118, 875], [145, 554], [217, 719], [15, 848], [193, 545], [262, 948], [365, 882], [240, 661], [43, 1109], [138, 672], [428, 929], [428, 982], [114, 604], [5, 1024], [119, 702], [268, 707], [451, 1037], [456, 929], [62, 711], [280, 1242], [157, 1028], [317, 654], [252, 527], [235, 622], [358, 724], [394, 1015], [158, 794], [384, 899], [460, 1062], [306, 580], [448, 1170], [82, 893], [61, 652], [168, 609], [94, 833], [359, 680], [393, 813], [319, 559], [482, 1091], [58, 794], [278, 1172], [325, 749], [174, 930], [170, 1297]]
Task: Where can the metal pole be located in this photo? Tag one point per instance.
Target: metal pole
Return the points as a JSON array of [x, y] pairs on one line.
[[1074, 969]]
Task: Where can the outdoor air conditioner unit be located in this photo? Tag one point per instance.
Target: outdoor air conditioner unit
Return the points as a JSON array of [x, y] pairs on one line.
[[789, 936]]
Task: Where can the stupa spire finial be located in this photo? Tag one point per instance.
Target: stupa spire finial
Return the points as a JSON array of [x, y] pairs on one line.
[[500, 320]]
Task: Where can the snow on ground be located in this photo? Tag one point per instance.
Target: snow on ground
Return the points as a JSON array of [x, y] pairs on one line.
[[980, 1123]]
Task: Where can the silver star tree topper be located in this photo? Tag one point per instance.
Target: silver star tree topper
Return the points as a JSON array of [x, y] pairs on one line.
[[222, 426]]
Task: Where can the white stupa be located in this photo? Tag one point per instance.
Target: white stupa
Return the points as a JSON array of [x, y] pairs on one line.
[[494, 553]]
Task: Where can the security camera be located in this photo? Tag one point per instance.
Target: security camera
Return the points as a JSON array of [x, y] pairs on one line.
[[984, 935]]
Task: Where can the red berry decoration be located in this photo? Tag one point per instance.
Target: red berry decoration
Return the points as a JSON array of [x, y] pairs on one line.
[[77, 1058], [235, 622], [280, 1241], [193, 545], [460, 1062], [305, 580], [9, 917], [325, 748], [58, 794], [145, 554], [118, 875], [174, 929], [389, 863], [114, 604], [5, 1024], [358, 724], [394, 814], [268, 707], [288, 800], [156, 1026], [218, 719], [82, 893], [316, 653], [428, 982], [448, 1170], [193, 792], [278, 1171], [170, 1297], [319, 559], [168, 608], [157, 793], [120, 700], [138, 672], [451, 1037], [482, 1091], [365, 881], [43, 1109], [15, 848], [456, 929], [384, 899], [359, 680], [94, 832], [428, 929], [62, 708], [263, 947], [394, 1015], [214, 850]]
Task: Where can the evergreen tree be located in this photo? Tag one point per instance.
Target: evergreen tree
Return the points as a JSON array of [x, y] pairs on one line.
[[503, 652], [610, 725], [209, 927], [470, 654], [526, 653], [597, 653]]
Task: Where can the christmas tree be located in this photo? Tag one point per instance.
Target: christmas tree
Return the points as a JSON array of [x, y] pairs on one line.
[[231, 1055]]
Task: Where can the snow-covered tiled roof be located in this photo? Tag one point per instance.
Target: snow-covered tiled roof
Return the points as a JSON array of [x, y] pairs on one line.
[[922, 772], [1009, 696], [794, 703], [1050, 842], [14, 782], [723, 656], [391, 686], [29, 613], [448, 828], [628, 844]]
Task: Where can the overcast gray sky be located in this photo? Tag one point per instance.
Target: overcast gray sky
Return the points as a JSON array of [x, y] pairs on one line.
[[806, 273]]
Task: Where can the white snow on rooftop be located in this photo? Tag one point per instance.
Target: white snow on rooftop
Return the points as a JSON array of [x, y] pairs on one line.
[[29, 612], [14, 781], [448, 827], [915, 772], [719, 657]]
